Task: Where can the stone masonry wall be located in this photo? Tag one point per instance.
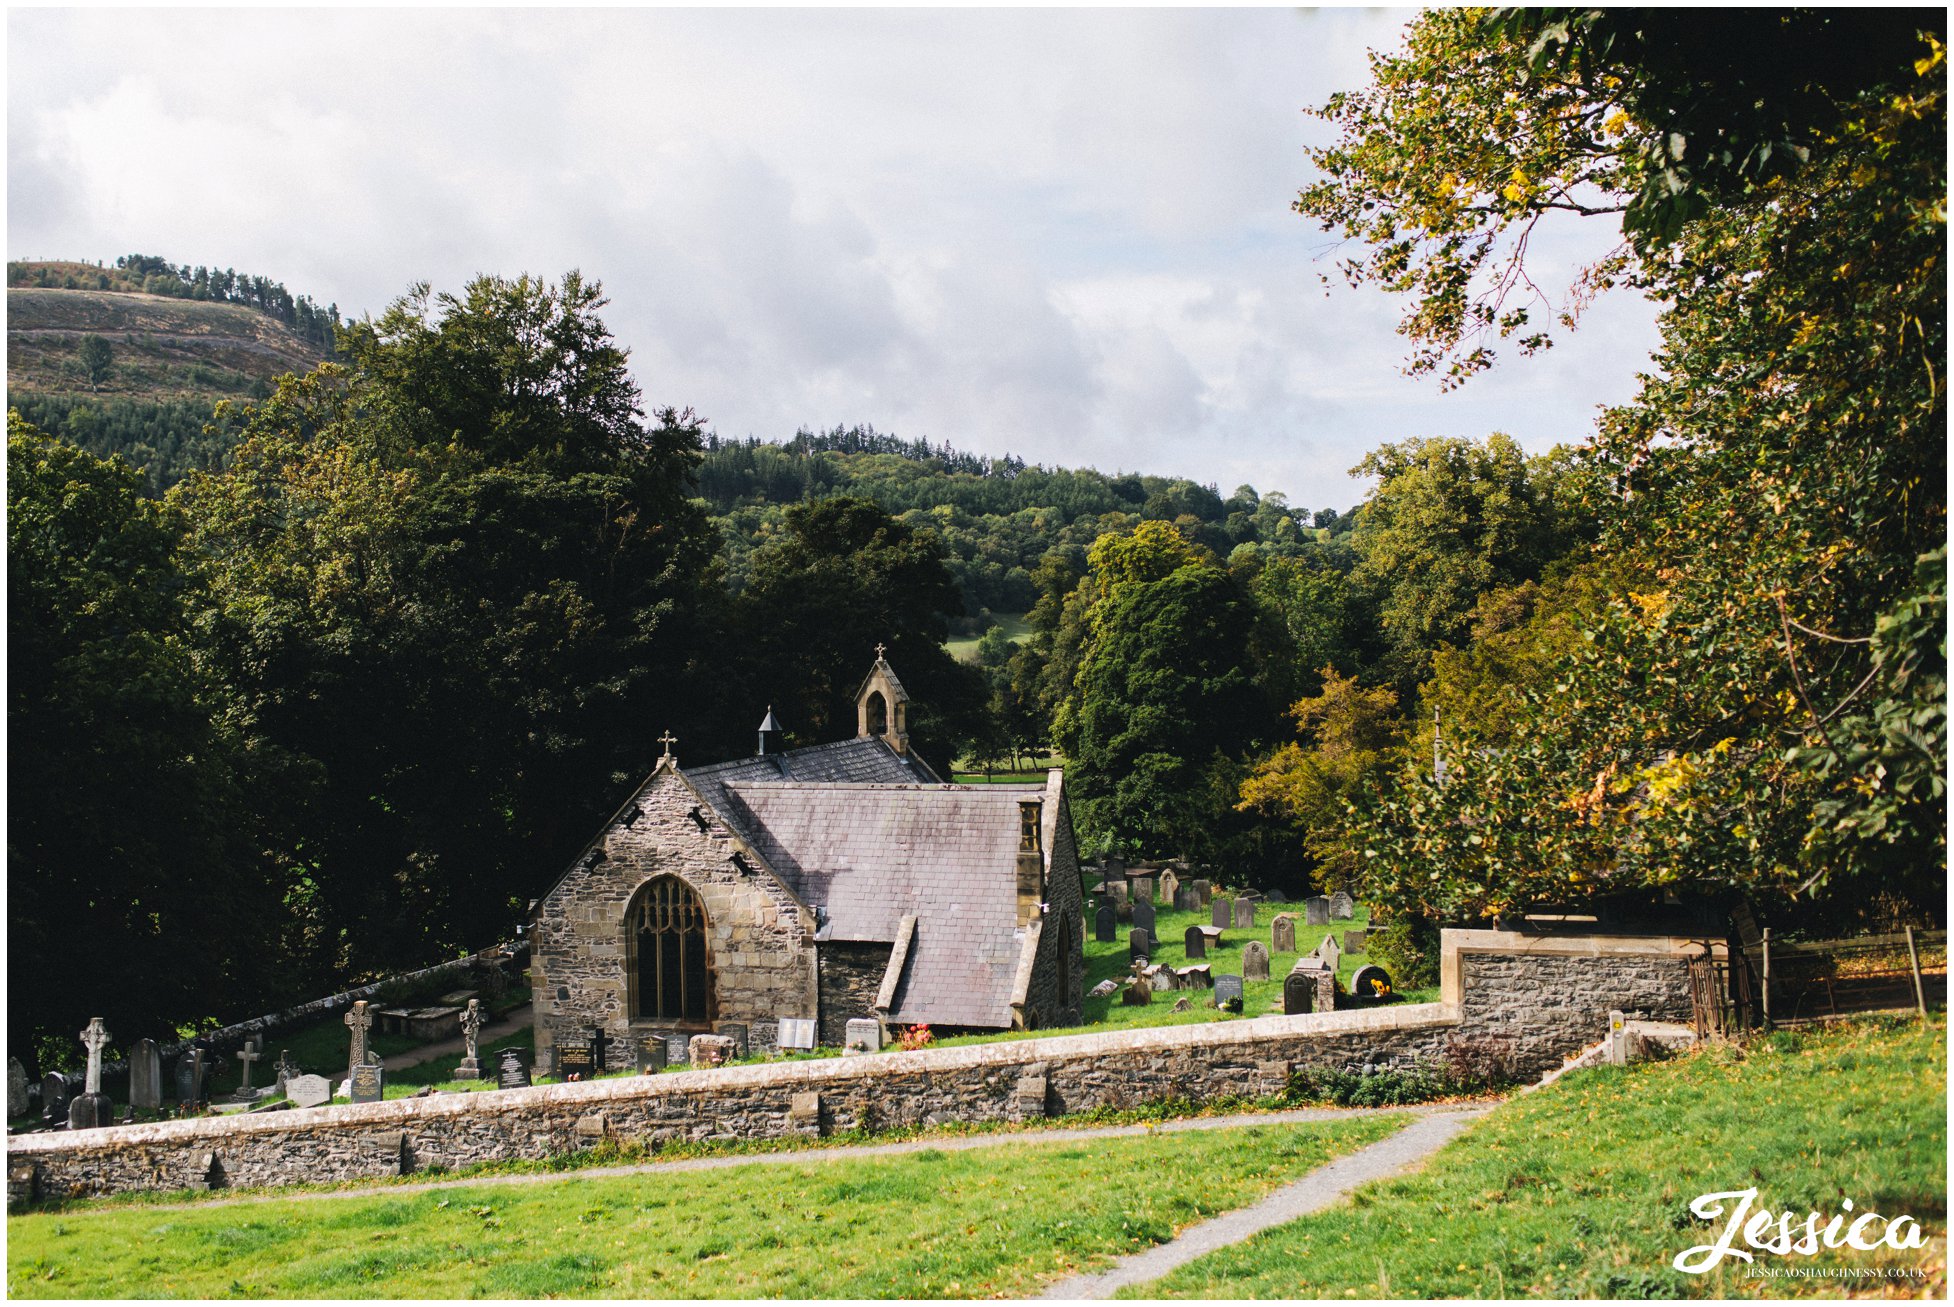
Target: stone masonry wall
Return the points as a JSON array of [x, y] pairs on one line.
[[1059, 950], [759, 937], [851, 975], [1535, 1001]]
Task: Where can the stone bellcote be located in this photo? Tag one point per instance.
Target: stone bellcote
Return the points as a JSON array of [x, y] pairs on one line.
[[882, 706]]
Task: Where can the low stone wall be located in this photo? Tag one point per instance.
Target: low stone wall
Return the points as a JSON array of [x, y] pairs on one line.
[[1529, 1002]]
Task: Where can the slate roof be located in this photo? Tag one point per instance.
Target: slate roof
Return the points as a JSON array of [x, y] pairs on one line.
[[871, 854], [862, 759]]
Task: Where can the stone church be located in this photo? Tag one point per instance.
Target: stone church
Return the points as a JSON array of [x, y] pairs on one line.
[[837, 881]]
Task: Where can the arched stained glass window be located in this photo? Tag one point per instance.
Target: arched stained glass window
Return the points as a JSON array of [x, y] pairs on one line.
[[671, 975]]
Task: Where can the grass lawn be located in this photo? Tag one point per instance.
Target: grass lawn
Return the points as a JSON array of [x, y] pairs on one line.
[[964, 648], [1583, 1189], [997, 1221]]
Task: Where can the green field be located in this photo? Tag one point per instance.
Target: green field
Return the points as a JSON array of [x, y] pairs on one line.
[[964, 647], [993, 1221], [1583, 1190]]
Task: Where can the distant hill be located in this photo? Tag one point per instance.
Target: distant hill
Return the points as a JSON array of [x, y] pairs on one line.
[[169, 358]]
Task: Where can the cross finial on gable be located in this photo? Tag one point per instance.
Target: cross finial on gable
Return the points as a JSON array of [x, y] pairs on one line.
[[668, 740], [878, 651]]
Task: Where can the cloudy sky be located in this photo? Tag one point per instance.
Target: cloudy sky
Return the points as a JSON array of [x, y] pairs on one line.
[[1065, 235]]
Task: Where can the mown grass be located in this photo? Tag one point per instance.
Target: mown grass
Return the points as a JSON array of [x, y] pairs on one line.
[[994, 1221], [1583, 1189]]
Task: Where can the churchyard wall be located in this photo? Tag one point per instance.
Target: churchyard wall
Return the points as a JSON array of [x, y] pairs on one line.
[[1534, 999]]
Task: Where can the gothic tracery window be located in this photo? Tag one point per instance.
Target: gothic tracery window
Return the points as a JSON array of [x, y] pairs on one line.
[[671, 976]]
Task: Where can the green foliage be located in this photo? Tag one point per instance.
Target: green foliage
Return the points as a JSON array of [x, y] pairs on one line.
[[1407, 947], [1389, 1087], [97, 357]]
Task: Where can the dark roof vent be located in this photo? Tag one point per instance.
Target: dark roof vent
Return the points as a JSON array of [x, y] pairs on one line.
[[773, 736]]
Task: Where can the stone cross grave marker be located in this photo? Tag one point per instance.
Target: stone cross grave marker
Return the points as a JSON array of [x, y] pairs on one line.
[[1138, 992], [16, 1089], [1244, 914], [1105, 925], [190, 1076], [1316, 911], [1255, 961], [285, 1070], [308, 1091], [653, 1054], [95, 1039], [1298, 993], [1221, 916], [91, 1107], [359, 1021], [253, 1050], [1227, 989], [796, 1035], [1282, 933], [1139, 944], [369, 1083], [1342, 906], [600, 1047], [1195, 942], [512, 1070], [1170, 885], [471, 1034], [1143, 917]]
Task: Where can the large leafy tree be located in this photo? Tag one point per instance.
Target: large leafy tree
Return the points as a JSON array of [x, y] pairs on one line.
[[454, 579], [1761, 710]]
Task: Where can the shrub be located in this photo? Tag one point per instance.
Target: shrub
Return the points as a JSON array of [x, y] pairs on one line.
[[1407, 947]]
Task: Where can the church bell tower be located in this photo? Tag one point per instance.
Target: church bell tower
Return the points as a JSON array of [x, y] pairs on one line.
[[882, 706]]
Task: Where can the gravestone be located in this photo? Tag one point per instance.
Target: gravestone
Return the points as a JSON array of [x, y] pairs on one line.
[[1122, 911], [1228, 989], [1104, 989], [796, 1035], [1298, 993], [1183, 1004], [600, 1048], [250, 1053], [368, 1083], [286, 1070], [1277, 896], [1170, 887], [1316, 911], [1329, 951], [1282, 933], [310, 1091], [471, 1033], [863, 1035], [1143, 917], [1221, 916], [705, 1051], [17, 1088], [56, 1093], [1105, 925], [1342, 906], [190, 1076], [359, 1021], [1142, 889], [1139, 944], [1255, 961], [1356, 941], [574, 1059], [1117, 890], [1244, 914], [1195, 942], [1163, 978], [1204, 888], [1371, 981], [1187, 899], [87, 1111], [653, 1054], [511, 1069], [1199, 976], [736, 1031], [1138, 992]]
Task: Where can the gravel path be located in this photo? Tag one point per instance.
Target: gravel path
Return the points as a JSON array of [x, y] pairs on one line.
[[851, 1152], [1326, 1185]]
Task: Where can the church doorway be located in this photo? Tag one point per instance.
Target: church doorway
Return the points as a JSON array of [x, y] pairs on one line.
[[671, 976]]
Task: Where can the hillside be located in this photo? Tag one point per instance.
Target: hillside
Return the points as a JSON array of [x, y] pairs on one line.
[[173, 349]]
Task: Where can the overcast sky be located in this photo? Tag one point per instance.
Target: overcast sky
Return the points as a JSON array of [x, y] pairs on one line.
[[1064, 235]]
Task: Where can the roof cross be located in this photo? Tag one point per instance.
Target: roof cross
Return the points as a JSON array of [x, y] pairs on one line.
[[668, 740], [878, 651]]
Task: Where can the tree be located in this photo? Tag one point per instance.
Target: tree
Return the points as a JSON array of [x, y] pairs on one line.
[[97, 358]]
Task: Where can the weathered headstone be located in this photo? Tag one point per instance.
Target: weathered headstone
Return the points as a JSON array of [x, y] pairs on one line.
[[309, 1091], [512, 1069], [17, 1088], [1298, 993], [1117, 890], [796, 1035], [1282, 933], [1205, 888], [190, 1076], [1105, 925], [1222, 915], [1143, 917], [1104, 989], [574, 1059], [1330, 952], [286, 1071], [1255, 961], [1371, 981], [653, 1054], [1138, 992], [471, 1034], [1227, 988], [1356, 941], [1316, 911], [1163, 977], [1244, 914], [369, 1082], [1277, 896], [736, 1031], [1139, 944], [1342, 906], [862, 1035], [57, 1091], [1186, 899], [1198, 976], [705, 1051], [1170, 885], [1142, 889], [1183, 1004], [1195, 942]]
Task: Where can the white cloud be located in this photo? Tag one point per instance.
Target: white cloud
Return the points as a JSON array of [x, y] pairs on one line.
[[1064, 234]]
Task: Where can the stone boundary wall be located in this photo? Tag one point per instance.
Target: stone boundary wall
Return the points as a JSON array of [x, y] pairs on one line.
[[1510, 994]]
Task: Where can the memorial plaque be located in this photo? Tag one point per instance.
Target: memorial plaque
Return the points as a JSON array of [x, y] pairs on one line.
[[575, 1060], [369, 1083], [1195, 942], [308, 1091], [653, 1055], [863, 1035], [796, 1035], [511, 1069], [1226, 989]]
